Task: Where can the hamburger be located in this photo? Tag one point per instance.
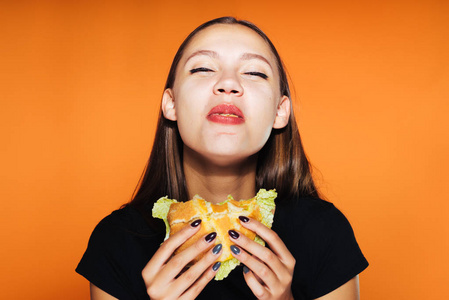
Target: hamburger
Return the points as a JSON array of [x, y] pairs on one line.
[[219, 218]]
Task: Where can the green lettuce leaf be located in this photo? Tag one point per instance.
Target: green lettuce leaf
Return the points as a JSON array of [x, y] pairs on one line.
[[225, 268], [160, 210]]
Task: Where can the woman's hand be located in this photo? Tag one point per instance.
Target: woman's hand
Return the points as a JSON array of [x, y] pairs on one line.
[[268, 273], [162, 274]]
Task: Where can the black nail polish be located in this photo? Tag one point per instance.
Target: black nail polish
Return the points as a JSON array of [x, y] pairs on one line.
[[235, 249], [244, 219], [217, 249], [245, 269], [196, 223], [216, 266], [234, 234], [210, 237]]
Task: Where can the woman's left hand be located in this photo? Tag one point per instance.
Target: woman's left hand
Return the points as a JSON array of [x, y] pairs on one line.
[[268, 272]]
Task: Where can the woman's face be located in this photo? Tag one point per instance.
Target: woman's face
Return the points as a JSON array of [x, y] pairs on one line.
[[226, 97]]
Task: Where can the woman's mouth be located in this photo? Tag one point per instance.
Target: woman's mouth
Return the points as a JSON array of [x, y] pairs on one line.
[[226, 114]]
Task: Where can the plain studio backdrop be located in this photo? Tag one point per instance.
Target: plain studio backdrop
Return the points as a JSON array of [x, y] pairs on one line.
[[80, 85]]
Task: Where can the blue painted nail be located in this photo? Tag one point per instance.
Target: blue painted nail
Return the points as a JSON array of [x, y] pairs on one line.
[[245, 269], [216, 249], [216, 266], [235, 249]]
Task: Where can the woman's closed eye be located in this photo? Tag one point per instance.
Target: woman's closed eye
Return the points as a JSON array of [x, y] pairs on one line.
[[200, 69], [259, 74]]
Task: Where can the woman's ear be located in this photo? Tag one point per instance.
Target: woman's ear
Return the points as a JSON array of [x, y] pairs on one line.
[[168, 105], [283, 113]]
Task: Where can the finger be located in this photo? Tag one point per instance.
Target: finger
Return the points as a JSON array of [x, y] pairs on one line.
[[199, 285], [167, 248], [180, 260], [271, 238], [256, 287], [258, 267], [257, 277], [259, 252], [188, 278]]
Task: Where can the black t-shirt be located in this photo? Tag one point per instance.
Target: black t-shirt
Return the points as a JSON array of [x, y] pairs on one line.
[[316, 233]]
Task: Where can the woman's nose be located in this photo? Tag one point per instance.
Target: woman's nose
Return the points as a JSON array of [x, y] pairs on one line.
[[228, 85]]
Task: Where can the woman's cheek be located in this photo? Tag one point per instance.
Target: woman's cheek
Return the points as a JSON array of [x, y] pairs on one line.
[[264, 108]]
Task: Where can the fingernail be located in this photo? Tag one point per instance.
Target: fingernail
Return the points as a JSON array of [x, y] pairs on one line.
[[245, 269], [210, 237], [217, 249], [235, 249], [196, 223], [234, 234], [244, 219], [216, 265]]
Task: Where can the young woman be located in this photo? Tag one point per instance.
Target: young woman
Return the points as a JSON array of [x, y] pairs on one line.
[[226, 127]]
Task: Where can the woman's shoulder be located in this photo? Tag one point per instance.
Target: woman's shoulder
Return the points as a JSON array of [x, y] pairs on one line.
[[118, 249], [124, 218], [322, 241], [307, 212], [123, 224], [314, 227]]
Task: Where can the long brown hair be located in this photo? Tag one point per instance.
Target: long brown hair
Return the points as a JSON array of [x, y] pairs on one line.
[[282, 163]]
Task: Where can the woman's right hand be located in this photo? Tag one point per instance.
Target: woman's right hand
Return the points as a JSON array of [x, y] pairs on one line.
[[162, 273]]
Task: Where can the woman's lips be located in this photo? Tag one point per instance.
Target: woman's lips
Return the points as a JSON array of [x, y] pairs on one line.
[[226, 114]]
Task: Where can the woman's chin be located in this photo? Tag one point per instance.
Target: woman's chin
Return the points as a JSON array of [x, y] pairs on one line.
[[218, 157], [227, 160]]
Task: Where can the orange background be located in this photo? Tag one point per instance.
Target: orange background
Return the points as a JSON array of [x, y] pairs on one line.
[[80, 85]]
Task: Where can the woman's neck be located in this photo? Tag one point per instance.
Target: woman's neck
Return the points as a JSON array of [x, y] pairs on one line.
[[215, 182]]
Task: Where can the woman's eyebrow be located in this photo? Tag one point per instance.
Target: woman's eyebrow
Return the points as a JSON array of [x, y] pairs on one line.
[[210, 53], [248, 56]]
